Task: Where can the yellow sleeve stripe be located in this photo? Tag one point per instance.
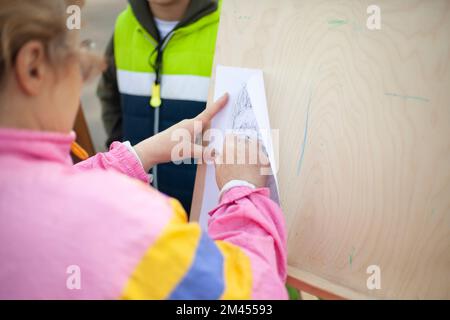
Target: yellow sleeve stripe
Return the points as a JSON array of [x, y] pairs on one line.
[[167, 261], [238, 273], [180, 215]]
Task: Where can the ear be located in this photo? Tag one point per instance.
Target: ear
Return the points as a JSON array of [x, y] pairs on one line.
[[31, 67]]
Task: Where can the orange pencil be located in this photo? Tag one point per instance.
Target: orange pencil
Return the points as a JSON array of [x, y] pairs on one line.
[[78, 151]]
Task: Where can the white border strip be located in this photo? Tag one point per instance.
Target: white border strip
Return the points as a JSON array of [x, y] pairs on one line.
[[176, 87]]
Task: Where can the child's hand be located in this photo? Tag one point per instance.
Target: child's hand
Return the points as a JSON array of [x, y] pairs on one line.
[[159, 148], [242, 159]]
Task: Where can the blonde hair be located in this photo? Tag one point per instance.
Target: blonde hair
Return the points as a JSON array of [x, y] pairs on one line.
[[42, 20]]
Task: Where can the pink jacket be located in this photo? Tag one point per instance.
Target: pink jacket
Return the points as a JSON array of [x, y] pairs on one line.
[[96, 230]]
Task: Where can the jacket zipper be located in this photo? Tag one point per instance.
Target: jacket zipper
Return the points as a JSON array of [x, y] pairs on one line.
[[156, 110]]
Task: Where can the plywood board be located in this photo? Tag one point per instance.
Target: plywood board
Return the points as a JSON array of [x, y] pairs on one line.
[[364, 125]]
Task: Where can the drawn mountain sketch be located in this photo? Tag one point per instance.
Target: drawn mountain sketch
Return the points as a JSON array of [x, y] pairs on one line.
[[244, 123], [243, 118]]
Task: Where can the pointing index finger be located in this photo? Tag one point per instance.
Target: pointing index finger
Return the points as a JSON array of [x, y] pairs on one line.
[[213, 109]]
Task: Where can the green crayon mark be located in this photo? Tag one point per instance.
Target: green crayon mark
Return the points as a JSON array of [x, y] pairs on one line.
[[337, 22], [350, 258]]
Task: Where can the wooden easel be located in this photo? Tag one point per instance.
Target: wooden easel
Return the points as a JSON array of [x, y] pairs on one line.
[[364, 124], [83, 136]]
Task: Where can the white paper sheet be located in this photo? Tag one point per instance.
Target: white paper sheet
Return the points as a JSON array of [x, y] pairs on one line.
[[246, 109]]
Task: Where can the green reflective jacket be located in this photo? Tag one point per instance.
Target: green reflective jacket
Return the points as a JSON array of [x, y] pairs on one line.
[[126, 87]]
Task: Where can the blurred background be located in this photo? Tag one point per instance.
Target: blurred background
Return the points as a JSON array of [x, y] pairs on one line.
[[99, 17]]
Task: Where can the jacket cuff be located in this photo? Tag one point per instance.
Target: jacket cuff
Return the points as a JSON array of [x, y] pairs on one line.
[[237, 193], [129, 162]]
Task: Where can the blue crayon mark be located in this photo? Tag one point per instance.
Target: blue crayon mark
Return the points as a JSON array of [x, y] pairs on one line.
[[422, 99], [305, 135]]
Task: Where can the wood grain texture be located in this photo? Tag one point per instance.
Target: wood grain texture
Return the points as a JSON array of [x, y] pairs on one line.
[[364, 120]]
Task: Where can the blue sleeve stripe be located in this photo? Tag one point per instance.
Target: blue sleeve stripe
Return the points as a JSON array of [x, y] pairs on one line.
[[205, 278]]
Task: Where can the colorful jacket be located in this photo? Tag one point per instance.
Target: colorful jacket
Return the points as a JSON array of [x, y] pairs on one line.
[[180, 64], [126, 239]]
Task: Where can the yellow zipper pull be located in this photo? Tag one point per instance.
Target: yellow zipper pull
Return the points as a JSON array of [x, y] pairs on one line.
[[155, 101]]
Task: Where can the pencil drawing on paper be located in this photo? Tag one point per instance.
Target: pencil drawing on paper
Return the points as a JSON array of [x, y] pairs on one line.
[[243, 122], [243, 118]]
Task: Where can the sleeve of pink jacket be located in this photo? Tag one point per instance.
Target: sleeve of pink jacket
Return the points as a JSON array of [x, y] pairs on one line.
[[119, 158], [250, 220], [246, 229]]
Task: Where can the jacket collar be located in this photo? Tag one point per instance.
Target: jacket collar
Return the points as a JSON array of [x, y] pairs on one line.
[[50, 146], [196, 10]]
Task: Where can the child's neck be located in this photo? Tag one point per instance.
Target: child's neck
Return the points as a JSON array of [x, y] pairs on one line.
[[173, 11]]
